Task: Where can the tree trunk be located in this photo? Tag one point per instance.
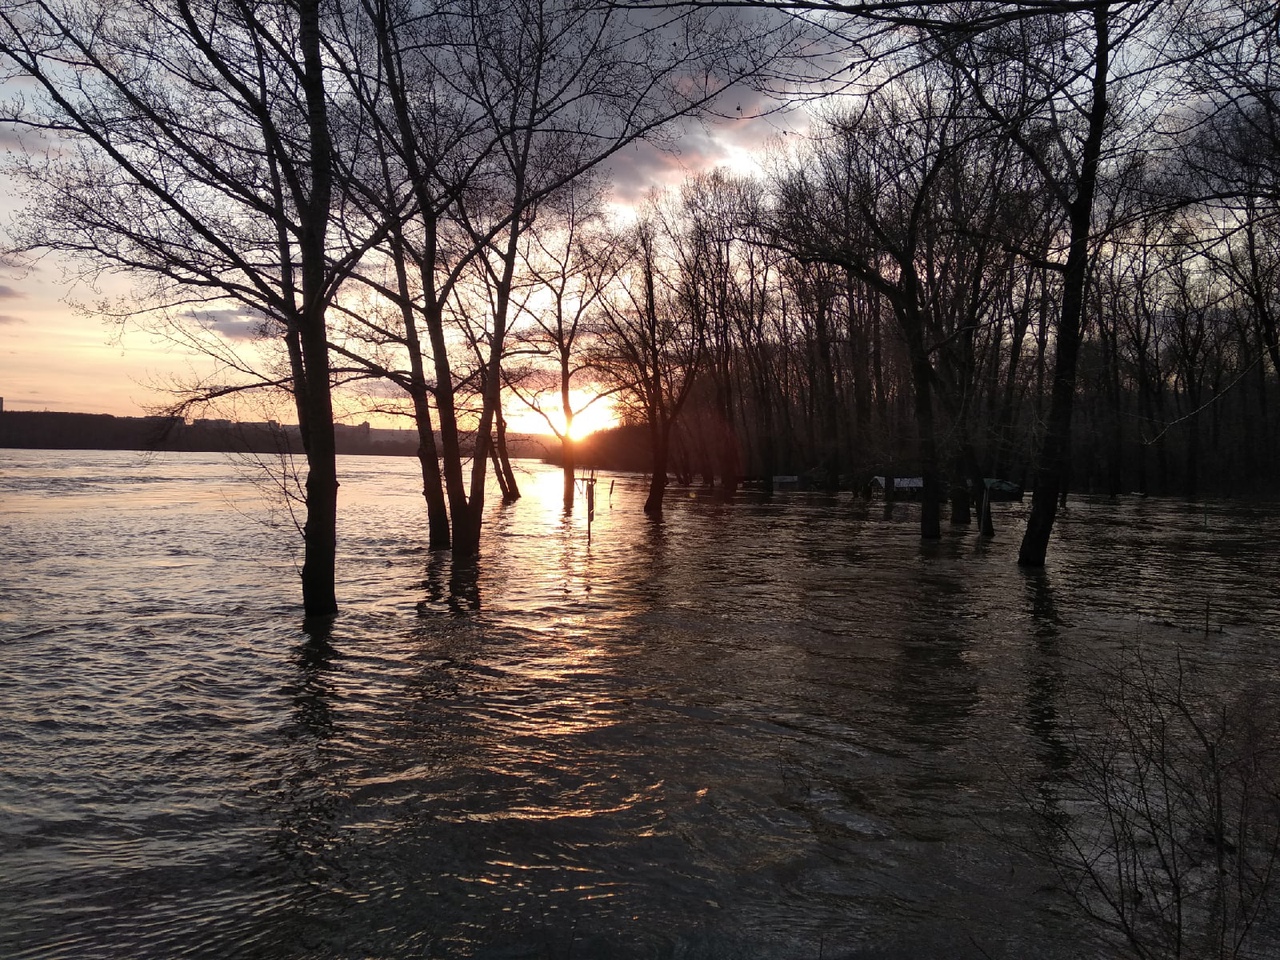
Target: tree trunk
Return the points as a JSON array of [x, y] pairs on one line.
[[568, 467], [432, 484], [1056, 450], [450, 445], [860, 350], [320, 538], [659, 441], [428, 456], [730, 461], [464, 545], [510, 488], [1192, 483], [498, 475], [922, 375], [1053, 464]]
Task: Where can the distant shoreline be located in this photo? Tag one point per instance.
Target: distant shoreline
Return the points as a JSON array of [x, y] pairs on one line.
[[45, 430]]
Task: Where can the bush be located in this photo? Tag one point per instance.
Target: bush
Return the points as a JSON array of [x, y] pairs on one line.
[[1165, 828]]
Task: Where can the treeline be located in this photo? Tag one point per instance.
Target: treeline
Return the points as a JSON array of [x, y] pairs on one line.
[[1005, 221], [799, 367], [47, 430], [1045, 249]]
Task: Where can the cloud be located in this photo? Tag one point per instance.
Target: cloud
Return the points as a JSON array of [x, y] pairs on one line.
[[378, 390], [7, 320], [753, 121], [10, 293], [695, 148], [640, 168], [232, 324]]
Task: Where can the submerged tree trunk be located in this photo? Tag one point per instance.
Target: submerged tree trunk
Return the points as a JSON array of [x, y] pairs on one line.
[[730, 462], [922, 381], [320, 537], [1055, 452], [432, 484], [510, 488], [1053, 465], [568, 467], [319, 597], [977, 492], [930, 494], [660, 444], [499, 475], [428, 455]]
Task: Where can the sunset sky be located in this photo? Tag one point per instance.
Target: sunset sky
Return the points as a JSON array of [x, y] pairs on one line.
[[56, 354]]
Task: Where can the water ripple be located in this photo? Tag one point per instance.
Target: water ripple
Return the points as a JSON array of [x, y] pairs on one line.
[[767, 728]]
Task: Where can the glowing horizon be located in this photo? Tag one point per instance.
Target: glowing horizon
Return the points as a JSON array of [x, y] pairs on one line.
[[600, 415], [59, 353]]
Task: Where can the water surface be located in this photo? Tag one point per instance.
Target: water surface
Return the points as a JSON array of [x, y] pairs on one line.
[[765, 729]]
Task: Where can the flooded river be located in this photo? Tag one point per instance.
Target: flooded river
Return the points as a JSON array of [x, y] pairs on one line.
[[769, 729]]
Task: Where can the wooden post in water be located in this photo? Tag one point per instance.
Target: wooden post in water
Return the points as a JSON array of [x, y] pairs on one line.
[[591, 502]]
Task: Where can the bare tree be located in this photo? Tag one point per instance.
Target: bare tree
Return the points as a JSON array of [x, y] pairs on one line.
[[1054, 81], [653, 341], [1230, 167], [1165, 828], [905, 196], [494, 108], [732, 275], [191, 145], [569, 262]]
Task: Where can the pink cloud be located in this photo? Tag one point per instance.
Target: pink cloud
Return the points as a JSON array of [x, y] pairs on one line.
[[749, 122]]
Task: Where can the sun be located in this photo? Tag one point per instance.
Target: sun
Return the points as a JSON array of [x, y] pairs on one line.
[[588, 416], [601, 415]]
